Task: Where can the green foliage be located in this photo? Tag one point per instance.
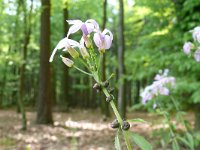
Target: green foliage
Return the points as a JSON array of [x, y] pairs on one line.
[[187, 140], [137, 120], [141, 142], [7, 141], [175, 145], [117, 142]]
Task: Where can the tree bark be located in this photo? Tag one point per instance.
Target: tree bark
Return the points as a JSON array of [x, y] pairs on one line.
[[44, 110], [104, 104], [197, 117], [121, 67], [65, 97], [137, 92]]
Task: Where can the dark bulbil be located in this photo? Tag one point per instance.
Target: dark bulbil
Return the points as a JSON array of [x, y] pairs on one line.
[[115, 124], [111, 90], [108, 99], [125, 125], [97, 87], [105, 84]]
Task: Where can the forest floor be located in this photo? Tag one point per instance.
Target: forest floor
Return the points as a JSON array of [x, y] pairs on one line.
[[74, 130]]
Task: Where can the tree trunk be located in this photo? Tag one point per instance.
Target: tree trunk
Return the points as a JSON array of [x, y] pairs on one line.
[[44, 110], [104, 104], [129, 93], [137, 92], [65, 97], [121, 67], [197, 117]]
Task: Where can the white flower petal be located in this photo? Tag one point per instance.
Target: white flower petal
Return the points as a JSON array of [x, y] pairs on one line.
[[92, 21], [97, 40], [105, 31], [108, 42], [74, 21], [62, 44], [73, 43], [74, 28]]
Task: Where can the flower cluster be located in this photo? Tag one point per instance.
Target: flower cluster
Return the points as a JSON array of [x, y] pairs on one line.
[[102, 40], [159, 86], [194, 47]]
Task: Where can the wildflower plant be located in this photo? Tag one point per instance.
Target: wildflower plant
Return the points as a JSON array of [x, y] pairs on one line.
[[84, 52], [162, 85], [193, 48]]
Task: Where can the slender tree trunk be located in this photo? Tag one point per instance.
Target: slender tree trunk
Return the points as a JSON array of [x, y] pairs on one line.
[[44, 110], [197, 117], [129, 93], [104, 104], [121, 67], [27, 32], [65, 96], [137, 92]]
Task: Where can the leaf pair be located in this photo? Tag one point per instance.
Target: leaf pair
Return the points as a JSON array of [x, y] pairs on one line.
[[137, 139]]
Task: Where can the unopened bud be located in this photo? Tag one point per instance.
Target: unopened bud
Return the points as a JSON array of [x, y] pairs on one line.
[[105, 84], [67, 61], [108, 99], [125, 125], [84, 52], [73, 52], [115, 124]]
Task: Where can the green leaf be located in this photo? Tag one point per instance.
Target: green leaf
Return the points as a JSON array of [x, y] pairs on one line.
[[141, 142], [137, 120], [175, 145], [190, 139], [184, 141], [117, 142]]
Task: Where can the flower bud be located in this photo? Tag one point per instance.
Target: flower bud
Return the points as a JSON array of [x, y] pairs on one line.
[[73, 52], [105, 84], [125, 125], [67, 61], [108, 99], [115, 124], [84, 53]]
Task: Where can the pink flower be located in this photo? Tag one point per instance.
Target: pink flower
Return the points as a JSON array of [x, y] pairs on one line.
[[66, 44], [187, 47], [196, 34], [197, 55], [103, 40], [86, 27], [159, 86]]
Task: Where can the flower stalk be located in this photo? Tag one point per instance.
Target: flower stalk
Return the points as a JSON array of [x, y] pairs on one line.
[[114, 108], [90, 60]]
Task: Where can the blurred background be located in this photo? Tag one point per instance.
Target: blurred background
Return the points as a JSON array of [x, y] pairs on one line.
[[148, 37]]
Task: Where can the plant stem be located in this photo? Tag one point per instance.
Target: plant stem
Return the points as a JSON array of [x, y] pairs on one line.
[[173, 135], [82, 70], [180, 116], [116, 112]]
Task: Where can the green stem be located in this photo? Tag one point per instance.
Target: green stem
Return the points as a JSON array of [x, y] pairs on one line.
[[82, 70], [116, 112], [169, 123], [85, 64], [180, 116]]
